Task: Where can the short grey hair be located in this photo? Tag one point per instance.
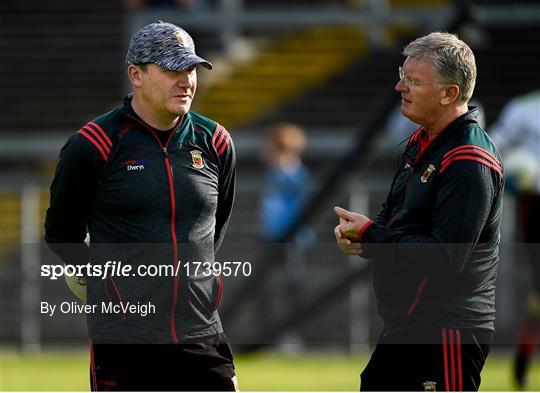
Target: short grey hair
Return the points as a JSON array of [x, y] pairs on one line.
[[452, 59]]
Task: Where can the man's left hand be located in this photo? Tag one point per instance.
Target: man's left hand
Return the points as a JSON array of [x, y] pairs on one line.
[[345, 245]]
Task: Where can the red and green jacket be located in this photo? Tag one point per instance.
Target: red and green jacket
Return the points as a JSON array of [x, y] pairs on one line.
[[436, 239], [144, 202]]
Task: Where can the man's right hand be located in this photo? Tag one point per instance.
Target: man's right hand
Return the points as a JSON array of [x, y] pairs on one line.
[[345, 245]]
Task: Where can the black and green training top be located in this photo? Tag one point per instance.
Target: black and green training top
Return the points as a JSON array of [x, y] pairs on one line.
[[144, 202], [436, 240]]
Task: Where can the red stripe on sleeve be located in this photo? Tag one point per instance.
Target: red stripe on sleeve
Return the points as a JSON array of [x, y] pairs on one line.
[[470, 147], [103, 133], [224, 146], [97, 145], [216, 133], [445, 359], [363, 229], [470, 158], [477, 152], [221, 139], [98, 139]]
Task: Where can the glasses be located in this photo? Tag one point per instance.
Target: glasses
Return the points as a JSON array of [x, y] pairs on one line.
[[410, 81]]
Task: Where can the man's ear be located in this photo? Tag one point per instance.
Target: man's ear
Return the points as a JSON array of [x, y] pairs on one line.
[[134, 74], [450, 94]]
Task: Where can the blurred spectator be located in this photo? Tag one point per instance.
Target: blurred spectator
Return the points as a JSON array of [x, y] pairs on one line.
[[517, 135], [287, 179], [286, 191]]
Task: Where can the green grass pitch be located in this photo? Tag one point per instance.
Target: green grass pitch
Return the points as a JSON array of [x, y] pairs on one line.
[[68, 371]]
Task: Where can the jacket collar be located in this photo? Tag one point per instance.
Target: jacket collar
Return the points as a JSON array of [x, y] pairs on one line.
[[453, 130], [136, 120]]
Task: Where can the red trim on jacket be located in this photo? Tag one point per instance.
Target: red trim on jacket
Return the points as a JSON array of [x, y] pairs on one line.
[[480, 152], [423, 144], [471, 149], [419, 292], [219, 132], [221, 143], [176, 281], [219, 294], [468, 152], [363, 229], [90, 138], [119, 296], [470, 158], [100, 130], [106, 148], [449, 152], [224, 146], [175, 250], [415, 136]]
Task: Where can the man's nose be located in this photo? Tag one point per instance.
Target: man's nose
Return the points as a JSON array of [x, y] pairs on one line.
[[400, 86], [183, 79]]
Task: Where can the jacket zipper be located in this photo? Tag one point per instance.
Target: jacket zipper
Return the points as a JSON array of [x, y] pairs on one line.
[[424, 281], [170, 177], [405, 189], [413, 165]]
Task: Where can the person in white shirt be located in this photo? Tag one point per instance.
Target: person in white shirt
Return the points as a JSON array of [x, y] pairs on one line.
[[517, 135]]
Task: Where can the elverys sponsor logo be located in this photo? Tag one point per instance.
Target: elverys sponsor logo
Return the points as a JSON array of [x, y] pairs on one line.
[[134, 165]]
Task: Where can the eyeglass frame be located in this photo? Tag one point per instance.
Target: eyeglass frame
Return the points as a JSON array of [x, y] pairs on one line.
[[411, 82]]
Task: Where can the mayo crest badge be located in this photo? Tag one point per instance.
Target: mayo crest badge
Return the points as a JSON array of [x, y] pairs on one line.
[[427, 173], [196, 159], [429, 386], [180, 38]]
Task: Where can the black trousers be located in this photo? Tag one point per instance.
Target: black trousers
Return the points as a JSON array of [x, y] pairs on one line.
[[203, 366], [452, 358]]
